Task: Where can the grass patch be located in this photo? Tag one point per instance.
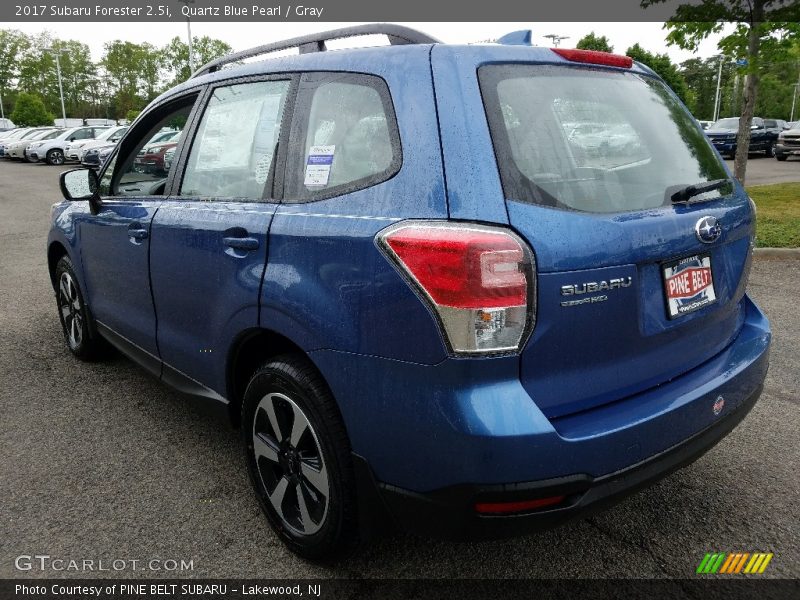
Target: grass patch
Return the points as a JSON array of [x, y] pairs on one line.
[[778, 215]]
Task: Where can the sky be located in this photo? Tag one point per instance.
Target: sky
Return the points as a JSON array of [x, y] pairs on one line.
[[245, 35]]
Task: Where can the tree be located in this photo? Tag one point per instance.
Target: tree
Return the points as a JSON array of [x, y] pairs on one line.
[[700, 75], [662, 65], [762, 26], [29, 111], [176, 56], [12, 43], [122, 62], [593, 42]]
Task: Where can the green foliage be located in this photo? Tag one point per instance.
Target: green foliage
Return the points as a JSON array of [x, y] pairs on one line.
[[126, 79], [661, 64], [594, 42], [132, 114], [700, 75], [29, 111], [176, 56]]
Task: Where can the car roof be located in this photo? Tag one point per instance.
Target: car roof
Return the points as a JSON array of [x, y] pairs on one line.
[[376, 58]]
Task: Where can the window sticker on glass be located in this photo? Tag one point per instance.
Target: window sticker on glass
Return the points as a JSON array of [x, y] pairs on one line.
[[318, 165]]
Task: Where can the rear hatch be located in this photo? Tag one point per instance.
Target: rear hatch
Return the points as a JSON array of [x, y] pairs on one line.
[[634, 288]]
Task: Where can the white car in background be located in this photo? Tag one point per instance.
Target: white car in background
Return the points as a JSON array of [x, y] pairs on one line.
[[52, 151], [17, 148], [76, 150], [17, 134]]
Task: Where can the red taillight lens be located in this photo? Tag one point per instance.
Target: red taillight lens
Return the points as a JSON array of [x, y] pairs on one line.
[[477, 279], [463, 268], [507, 508], [595, 57]]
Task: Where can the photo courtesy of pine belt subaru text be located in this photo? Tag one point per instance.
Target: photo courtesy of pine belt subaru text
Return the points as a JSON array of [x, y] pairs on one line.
[[467, 291]]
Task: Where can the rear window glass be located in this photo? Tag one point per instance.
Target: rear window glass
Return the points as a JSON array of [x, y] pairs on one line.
[[592, 140]]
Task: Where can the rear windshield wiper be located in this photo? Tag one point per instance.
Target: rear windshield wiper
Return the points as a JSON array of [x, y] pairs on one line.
[[690, 191]]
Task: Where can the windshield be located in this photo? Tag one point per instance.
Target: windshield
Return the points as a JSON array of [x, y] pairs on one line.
[[109, 133], [41, 135], [52, 134], [732, 124], [591, 139], [29, 135]]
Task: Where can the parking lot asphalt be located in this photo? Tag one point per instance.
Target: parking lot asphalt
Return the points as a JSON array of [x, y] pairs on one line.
[[101, 461], [762, 170]]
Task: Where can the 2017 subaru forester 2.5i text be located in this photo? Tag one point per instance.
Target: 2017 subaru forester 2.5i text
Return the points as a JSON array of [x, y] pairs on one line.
[[422, 299]]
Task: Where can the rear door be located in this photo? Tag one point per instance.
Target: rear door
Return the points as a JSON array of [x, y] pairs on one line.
[[632, 288], [209, 239], [115, 241]]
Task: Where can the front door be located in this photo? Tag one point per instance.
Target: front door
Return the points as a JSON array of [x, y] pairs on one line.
[[115, 242]]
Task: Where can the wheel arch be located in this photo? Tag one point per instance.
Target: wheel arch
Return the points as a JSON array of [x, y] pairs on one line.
[[55, 251], [250, 350]]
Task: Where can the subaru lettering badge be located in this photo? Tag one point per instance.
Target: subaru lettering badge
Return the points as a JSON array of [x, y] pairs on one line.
[[708, 230], [719, 404]]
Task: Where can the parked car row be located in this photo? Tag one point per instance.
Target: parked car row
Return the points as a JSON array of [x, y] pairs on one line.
[[45, 144], [88, 145], [765, 136]]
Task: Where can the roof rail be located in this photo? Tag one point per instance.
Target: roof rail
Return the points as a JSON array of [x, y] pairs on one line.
[[315, 42]]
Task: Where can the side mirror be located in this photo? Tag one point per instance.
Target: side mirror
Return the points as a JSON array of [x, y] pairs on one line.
[[755, 127], [80, 184]]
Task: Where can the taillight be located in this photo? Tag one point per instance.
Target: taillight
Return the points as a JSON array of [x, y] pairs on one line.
[[595, 57], [478, 280]]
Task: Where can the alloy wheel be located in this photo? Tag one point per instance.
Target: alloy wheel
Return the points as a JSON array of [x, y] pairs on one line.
[[56, 157], [290, 464], [69, 304]]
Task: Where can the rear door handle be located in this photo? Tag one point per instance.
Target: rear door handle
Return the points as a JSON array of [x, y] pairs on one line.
[[241, 243], [137, 232]]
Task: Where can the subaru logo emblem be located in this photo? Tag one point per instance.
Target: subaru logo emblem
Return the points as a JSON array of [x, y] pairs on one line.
[[719, 404], [708, 230]]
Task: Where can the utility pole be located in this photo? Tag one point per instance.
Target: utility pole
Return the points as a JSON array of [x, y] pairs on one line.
[[189, 33], [60, 86], [556, 39], [794, 98], [3, 112], [717, 95]]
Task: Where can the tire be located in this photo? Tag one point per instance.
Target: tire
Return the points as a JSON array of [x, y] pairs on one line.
[[55, 157], [781, 157], [298, 457], [75, 316], [770, 150]]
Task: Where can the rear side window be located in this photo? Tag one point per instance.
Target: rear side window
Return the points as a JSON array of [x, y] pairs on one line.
[[344, 136], [235, 145], [591, 139]]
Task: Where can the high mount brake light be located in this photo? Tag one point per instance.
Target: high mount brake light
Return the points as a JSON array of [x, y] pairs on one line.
[[478, 279], [594, 57]]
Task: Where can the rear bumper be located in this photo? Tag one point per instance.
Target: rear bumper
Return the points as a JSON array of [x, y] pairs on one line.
[[436, 439], [450, 512]]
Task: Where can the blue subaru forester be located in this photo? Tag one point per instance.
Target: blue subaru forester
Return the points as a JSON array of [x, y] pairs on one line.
[[469, 290]]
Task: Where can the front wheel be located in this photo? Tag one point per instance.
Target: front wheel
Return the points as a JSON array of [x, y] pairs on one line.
[[781, 157], [55, 157], [74, 314], [770, 151], [298, 457]]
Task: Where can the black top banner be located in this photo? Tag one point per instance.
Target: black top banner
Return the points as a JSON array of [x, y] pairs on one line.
[[12, 11]]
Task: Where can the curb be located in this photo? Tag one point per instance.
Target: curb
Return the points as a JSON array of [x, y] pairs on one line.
[[778, 253]]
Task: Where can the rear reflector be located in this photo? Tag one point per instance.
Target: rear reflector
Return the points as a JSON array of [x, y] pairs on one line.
[[595, 57], [506, 508], [475, 277]]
